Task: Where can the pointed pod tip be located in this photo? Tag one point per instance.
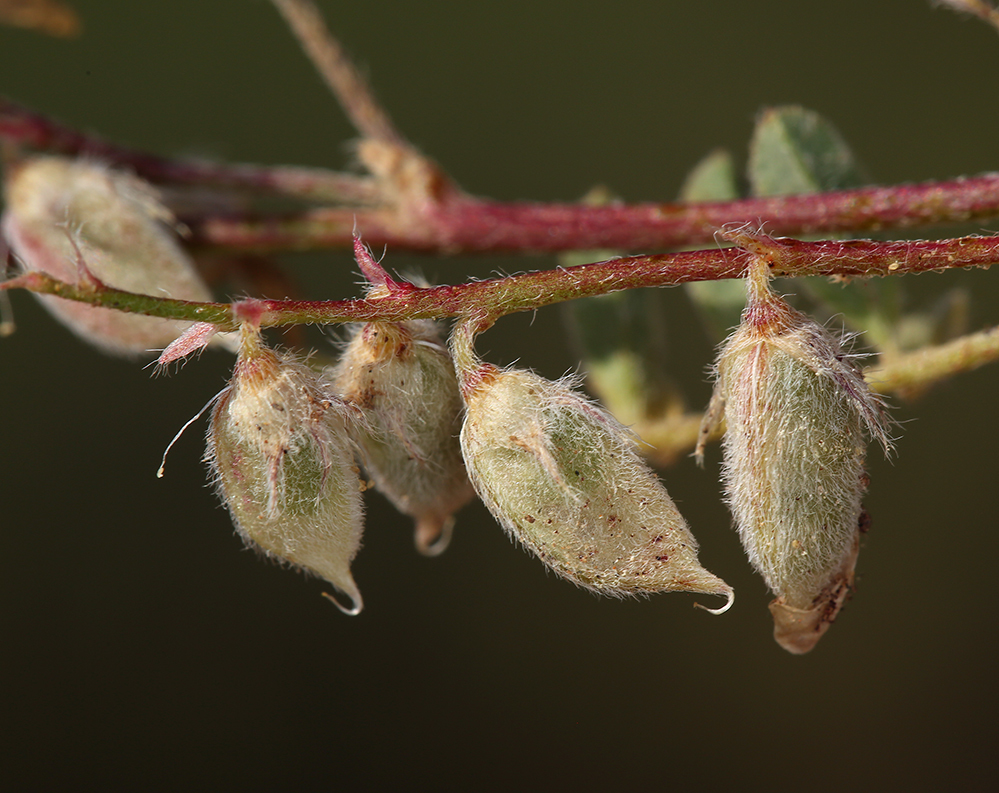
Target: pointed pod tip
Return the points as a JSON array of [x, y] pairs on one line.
[[357, 604], [728, 593]]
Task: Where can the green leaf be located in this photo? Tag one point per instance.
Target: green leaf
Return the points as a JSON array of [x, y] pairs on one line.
[[622, 337], [795, 150], [713, 179]]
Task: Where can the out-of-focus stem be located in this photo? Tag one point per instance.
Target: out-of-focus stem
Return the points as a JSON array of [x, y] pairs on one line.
[[464, 224], [910, 374], [337, 70], [25, 127], [458, 223]]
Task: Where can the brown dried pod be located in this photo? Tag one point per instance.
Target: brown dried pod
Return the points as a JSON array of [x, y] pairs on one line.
[[281, 457], [562, 477], [118, 228], [795, 410], [401, 375]]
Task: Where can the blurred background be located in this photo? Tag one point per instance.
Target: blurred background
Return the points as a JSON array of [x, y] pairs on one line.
[[142, 646]]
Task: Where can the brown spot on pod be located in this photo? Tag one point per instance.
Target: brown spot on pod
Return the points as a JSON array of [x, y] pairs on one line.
[[795, 410], [121, 232], [402, 377], [601, 517], [282, 460]]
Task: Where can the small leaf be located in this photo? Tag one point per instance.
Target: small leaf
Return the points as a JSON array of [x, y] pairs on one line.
[[795, 150], [622, 339], [713, 179]]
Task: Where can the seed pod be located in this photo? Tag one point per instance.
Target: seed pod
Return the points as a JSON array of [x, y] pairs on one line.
[[795, 410], [118, 225], [561, 476], [401, 376], [280, 454]]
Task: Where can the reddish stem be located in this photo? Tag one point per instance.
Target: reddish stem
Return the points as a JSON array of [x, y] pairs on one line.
[[462, 224], [25, 127], [457, 223]]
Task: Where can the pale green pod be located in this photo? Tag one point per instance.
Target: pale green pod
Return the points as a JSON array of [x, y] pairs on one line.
[[401, 376], [282, 460], [562, 477], [119, 228], [795, 410]]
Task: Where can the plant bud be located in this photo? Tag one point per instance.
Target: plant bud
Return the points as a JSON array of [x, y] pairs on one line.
[[795, 410], [561, 476], [279, 450], [401, 376], [118, 226]]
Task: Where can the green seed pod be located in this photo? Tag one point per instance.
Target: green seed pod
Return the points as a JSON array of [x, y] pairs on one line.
[[280, 454], [562, 477], [119, 228], [401, 376], [795, 409]]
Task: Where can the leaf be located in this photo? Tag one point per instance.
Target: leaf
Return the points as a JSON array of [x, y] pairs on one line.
[[621, 339], [713, 179], [795, 150]]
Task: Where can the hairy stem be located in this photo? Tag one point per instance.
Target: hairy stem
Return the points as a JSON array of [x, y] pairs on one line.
[[488, 300]]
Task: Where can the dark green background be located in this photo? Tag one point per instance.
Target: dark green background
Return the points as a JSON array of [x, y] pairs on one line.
[[141, 647]]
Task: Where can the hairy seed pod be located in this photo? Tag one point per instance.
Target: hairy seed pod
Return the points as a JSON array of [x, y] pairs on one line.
[[279, 450], [795, 410], [562, 477], [118, 227], [401, 376]]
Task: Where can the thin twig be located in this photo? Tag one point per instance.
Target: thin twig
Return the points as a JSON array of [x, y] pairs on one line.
[[338, 72], [21, 126], [912, 373], [463, 224]]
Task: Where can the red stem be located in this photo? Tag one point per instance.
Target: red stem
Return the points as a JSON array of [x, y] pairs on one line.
[[462, 224], [457, 223]]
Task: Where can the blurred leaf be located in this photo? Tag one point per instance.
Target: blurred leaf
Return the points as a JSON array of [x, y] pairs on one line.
[[622, 340], [795, 150], [713, 179]]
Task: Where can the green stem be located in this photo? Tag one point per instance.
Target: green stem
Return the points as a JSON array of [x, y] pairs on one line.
[[914, 372]]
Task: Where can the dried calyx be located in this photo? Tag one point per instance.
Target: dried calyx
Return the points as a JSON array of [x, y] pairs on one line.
[[795, 410], [562, 477], [281, 456]]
